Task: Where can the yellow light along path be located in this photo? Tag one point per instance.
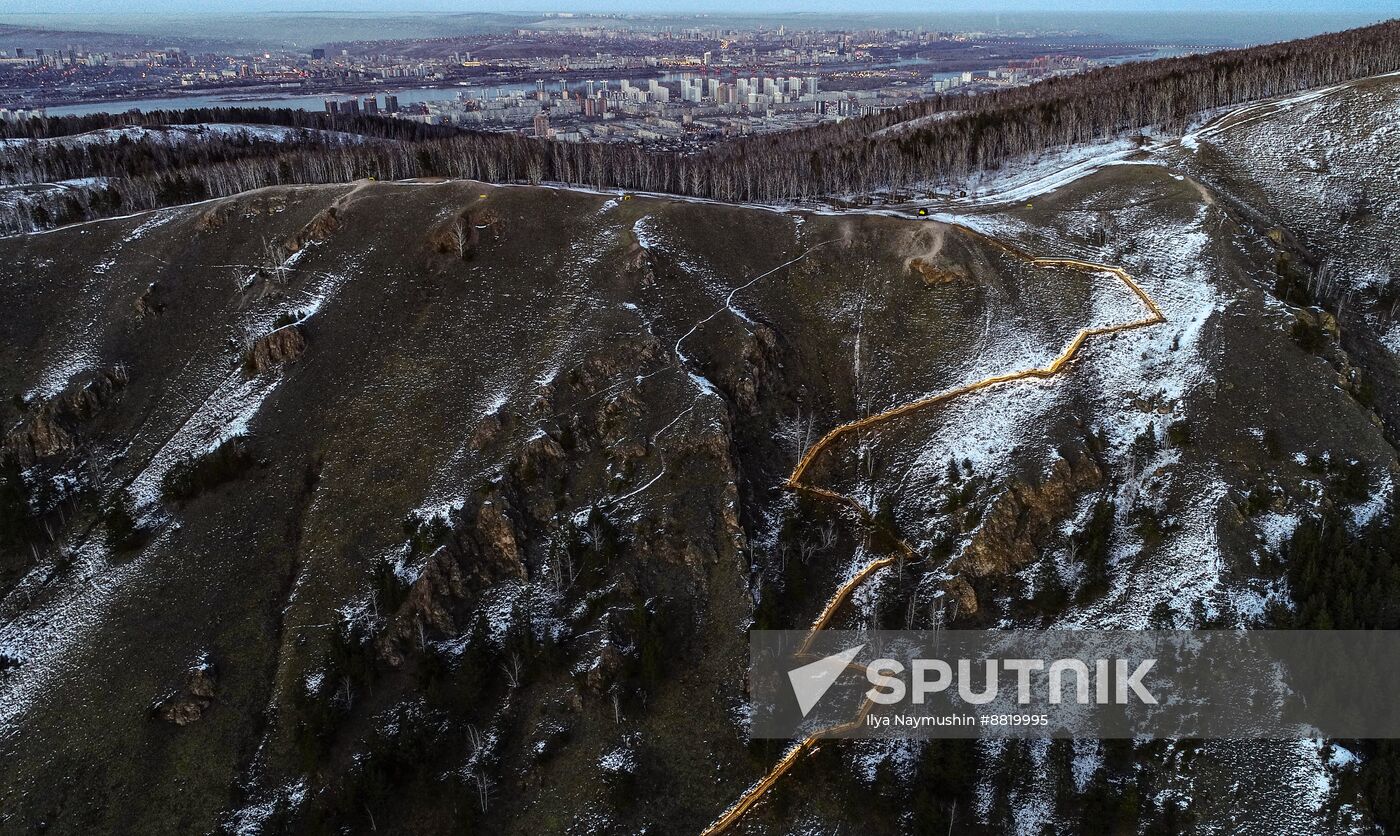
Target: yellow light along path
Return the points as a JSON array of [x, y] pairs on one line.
[[794, 482]]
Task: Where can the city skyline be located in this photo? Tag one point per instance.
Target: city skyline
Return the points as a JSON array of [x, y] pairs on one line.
[[689, 7], [702, 83]]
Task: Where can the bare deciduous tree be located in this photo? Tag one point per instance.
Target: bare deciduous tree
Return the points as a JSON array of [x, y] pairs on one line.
[[483, 788], [274, 262], [459, 236], [795, 433], [514, 669]]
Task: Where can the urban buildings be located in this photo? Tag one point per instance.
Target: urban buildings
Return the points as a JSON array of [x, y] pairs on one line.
[[685, 86]]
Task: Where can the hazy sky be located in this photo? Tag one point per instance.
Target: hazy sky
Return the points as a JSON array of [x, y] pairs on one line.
[[1378, 7]]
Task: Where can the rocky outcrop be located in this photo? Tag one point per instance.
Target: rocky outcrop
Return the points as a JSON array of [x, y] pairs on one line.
[[498, 545], [964, 601], [600, 672], [150, 304], [745, 381], [1320, 320], [432, 600], [265, 203], [538, 476], [483, 548], [55, 427], [193, 698], [1020, 522], [675, 539], [273, 349], [490, 429], [216, 217], [320, 228], [584, 423], [613, 421], [637, 265], [937, 273]]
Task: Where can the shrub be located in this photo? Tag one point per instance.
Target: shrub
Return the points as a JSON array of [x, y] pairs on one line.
[[1290, 283], [15, 521], [1343, 579], [1347, 579], [288, 318], [1258, 500], [1051, 596], [1179, 433], [195, 474], [1150, 527], [1308, 334], [125, 532], [1092, 544], [1351, 481]]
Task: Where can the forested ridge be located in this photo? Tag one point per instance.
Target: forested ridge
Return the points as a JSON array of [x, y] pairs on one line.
[[847, 158], [383, 127], [35, 162]]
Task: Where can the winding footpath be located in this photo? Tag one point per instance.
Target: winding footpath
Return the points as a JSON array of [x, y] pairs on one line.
[[797, 482]]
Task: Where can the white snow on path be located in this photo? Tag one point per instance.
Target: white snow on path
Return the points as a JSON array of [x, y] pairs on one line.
[[83, 324], [43, 637], [650, 238], [80, 358], [1020, 181], [702, 384], [683, 360], [228, 410], [225, 414], [1257, 111]]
